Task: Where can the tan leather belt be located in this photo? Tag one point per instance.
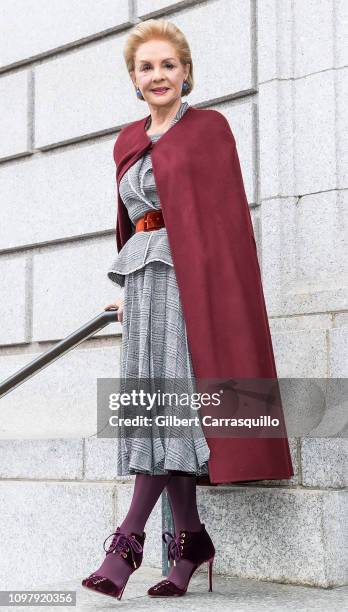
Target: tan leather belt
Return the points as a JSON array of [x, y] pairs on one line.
[[152, 220]]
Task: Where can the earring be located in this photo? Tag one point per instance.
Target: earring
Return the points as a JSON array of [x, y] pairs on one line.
[[185, 87], [139, 94]]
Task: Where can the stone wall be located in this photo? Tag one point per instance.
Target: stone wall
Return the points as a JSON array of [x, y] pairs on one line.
[[277, 69]]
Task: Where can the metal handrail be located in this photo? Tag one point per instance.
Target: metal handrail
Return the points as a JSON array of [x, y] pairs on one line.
[[58, 350]]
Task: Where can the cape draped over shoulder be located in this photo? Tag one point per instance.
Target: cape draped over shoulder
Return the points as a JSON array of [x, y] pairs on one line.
[[210, 233]]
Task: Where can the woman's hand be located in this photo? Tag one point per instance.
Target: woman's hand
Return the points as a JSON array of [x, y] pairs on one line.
[[119, 305]]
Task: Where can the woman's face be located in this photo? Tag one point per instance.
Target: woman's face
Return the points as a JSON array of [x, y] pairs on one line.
[[157, 65]]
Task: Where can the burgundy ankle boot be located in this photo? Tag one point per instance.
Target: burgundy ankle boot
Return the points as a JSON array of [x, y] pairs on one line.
[[130, 547], [197, 547]]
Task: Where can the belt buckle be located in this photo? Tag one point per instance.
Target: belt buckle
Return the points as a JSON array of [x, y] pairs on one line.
[[145, 221]]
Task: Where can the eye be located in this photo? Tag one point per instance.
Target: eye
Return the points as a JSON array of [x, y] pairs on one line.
[[168, 65]]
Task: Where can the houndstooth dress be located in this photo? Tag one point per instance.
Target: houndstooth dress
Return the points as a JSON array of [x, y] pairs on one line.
[[154, 340]]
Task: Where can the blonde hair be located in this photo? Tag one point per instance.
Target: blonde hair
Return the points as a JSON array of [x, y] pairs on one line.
[[160, 29]]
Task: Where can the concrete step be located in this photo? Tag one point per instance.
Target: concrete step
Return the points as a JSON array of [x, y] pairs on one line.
[[63, 496], [237, 594]]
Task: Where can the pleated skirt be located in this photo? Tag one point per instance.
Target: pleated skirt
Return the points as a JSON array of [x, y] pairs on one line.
[[155, 348]]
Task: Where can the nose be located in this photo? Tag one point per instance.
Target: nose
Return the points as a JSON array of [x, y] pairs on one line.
[[157, 74]]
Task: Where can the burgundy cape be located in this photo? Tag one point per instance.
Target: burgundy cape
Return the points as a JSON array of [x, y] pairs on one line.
[[210, 233]]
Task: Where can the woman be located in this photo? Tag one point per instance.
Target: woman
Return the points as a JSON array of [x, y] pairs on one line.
[[168, 167]]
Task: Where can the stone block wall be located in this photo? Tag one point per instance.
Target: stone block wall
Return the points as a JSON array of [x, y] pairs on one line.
[[277, 69]]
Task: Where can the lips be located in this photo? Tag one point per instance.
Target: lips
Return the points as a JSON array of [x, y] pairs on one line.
[[159, 89]]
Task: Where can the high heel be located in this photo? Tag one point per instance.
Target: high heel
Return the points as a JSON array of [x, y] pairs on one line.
[[130, 547], [197, 547]]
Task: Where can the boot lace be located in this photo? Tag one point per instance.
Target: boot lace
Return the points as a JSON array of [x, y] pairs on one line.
[[122, 543], [173, 545]]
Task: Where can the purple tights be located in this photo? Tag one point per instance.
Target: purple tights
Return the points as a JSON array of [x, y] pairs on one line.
[[181, 490]]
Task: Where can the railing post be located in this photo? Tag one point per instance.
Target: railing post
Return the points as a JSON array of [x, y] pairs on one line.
[[167, 525]]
